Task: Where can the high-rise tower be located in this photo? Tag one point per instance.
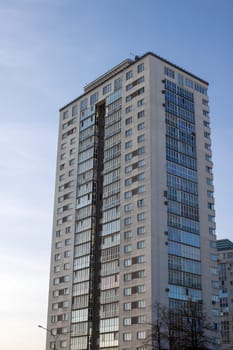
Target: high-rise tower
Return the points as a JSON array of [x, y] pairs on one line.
[[134, 207]]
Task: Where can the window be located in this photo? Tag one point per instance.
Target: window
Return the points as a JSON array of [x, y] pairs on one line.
[[210, 206], [117, 84], [141, 304], [204, 102], [128, 181], [128, 235], [107, 89], [140, 259], [62, 177], [66, 266], [180, 79], [141, 138], [129, 75], [208, 158], [67, 253], [140, 102], [58, 233], [127, 248], [128, 144], [128, 109], [128, 121], [128, 156], [128, 220], [141, 335], [141, 126], [128, 98], [169, 72], [58, 245], [128, 194], [140, 189], [127, 321], [127, 262], [128, 207], [65, 115], [205, 113], [127, 306], [71, 172], [141, 114], [128, 169], [140, 203], [128, 132], [68, 229], [127, 291], [206, 124], [94, 98], [127, 336], [141, 176], [68, 241], [207, 134], [140, 230], [140, 68], [140, 150], [74, 110]]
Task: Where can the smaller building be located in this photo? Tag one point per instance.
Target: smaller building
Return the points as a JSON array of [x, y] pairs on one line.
[[225, 263]]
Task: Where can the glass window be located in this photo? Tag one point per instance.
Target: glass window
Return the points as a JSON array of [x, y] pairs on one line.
[[128, 207], [141, 114], [107, 89], [128, 132], [141, 335], [128, 234], [117, 84], [129, 75], [141, 230], [140, 68], [128, 220], [141, 126], [127, 248], [128, 109], [140, 203], [141, 138], [74, 110], [128, 121], [127, 336], [140, 244], [128, 144], [140, 102], [94, 98], [65, 115]]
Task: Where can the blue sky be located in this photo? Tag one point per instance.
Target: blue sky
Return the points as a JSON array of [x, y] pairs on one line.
[[49, 49]]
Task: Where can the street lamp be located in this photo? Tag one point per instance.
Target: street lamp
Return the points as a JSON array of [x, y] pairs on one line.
[[53, 335]]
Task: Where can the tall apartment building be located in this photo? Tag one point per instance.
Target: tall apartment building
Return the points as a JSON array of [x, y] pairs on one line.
[[134, 207], [225, 264]]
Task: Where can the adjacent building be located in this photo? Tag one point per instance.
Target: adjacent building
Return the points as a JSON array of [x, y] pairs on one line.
[[134, 206], [225, 263]]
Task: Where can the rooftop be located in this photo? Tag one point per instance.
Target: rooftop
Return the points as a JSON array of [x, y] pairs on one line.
[[224, 244]]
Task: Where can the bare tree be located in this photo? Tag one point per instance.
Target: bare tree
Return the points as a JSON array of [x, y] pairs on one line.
[[175, 329]]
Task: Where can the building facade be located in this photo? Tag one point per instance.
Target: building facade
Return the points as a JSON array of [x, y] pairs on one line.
[[134, 207], [225, 264]]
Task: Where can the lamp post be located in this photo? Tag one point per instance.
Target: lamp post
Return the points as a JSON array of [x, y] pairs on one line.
[[53, 335]]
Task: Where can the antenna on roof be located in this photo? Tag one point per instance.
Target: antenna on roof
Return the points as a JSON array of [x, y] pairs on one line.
[[135, 57]]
